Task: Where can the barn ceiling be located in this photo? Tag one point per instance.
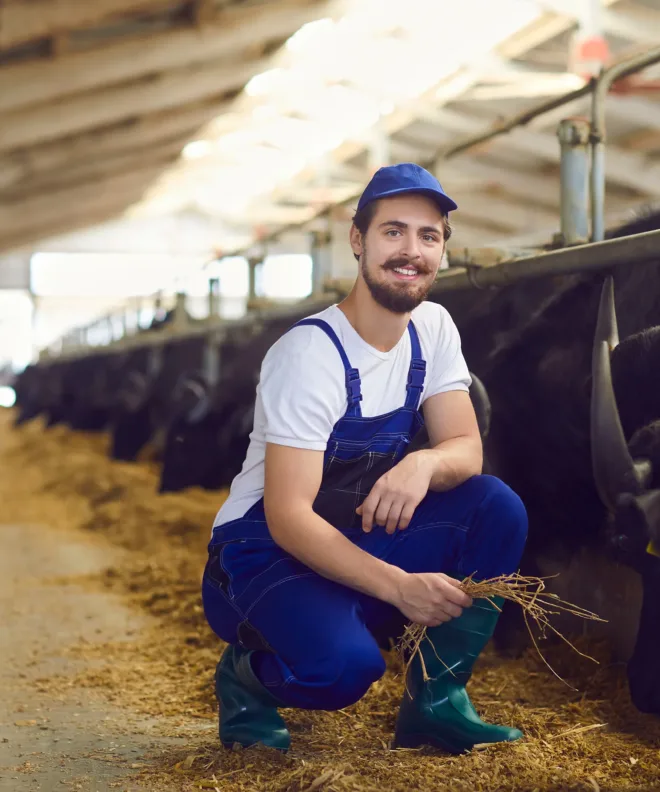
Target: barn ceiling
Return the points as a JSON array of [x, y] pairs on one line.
[[154, 107]]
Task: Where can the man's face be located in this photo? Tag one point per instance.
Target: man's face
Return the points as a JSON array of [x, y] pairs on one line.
[[401, 252]]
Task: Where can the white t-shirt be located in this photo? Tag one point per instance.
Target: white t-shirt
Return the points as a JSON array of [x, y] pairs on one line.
[[302, 392]]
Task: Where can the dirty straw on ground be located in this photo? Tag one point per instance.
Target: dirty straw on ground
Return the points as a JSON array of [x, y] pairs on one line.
[[583, 737]]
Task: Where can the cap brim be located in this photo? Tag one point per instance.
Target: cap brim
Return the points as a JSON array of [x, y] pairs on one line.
[[443, 201]]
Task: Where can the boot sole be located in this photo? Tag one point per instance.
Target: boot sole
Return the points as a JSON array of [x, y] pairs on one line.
[[418, 740], [229, 745]]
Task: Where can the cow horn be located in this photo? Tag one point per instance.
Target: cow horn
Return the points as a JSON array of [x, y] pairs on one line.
[[481, 403], [614, 469]]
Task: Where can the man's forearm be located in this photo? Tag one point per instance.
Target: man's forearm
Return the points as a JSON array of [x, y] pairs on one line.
[[452, 462], [321, 547]]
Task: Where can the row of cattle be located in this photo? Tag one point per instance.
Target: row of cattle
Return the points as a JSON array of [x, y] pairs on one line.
[[570, 417]]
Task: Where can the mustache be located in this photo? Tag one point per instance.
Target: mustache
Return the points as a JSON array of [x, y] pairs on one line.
[[400, 262]]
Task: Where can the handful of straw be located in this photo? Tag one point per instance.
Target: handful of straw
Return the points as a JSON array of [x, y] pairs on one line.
[[528, 592]]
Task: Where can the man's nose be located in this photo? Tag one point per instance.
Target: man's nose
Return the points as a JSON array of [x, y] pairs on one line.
[[410, 247]]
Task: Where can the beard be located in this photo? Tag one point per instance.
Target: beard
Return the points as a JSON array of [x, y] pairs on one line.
[[398, 298]]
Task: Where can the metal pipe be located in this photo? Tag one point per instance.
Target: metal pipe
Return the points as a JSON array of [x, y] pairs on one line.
[[573, 137], [214, 296], [253, 263], [592, 257], [517, 120], [180, 317], [156, 338], [603, 85], [597, 189]]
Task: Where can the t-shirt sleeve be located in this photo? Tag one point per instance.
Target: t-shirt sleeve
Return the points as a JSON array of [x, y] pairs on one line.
[[449, 371], [301, 391]]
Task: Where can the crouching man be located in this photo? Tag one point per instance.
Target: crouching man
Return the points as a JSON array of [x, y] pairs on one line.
[[334, 537]]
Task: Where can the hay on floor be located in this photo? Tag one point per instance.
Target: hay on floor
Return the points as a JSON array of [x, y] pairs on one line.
[[586, 738]]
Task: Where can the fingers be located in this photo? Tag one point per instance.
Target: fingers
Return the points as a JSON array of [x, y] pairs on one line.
[[384, 514], [382, 509], [441, 617], [406, 515], [453, 611], [368, 510], [379, 508], [394, 517], [455, 594]]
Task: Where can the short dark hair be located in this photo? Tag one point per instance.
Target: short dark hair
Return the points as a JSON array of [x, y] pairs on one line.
[[362, 221]]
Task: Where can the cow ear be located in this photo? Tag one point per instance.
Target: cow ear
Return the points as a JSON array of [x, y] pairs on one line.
[[614, 470]]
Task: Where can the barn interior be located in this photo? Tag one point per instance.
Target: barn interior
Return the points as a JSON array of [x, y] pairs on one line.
[[177, 184]]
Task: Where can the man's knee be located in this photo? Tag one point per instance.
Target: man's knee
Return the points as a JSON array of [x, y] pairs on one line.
[[503, 509], [345, 678], [499, 529]]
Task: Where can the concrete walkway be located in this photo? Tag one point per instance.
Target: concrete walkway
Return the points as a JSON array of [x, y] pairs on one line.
[[54, 741]]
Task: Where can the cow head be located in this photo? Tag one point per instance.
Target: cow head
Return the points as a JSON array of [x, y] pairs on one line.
[[624, 487], [622, 482]]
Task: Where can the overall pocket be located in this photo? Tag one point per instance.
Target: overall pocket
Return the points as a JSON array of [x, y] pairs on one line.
[[345, 485]]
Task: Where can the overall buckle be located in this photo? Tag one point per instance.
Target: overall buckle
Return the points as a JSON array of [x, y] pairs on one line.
[[353, 386], [417, 373]]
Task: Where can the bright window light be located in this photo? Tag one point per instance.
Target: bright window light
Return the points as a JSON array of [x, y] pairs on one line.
[[232, 272], [310, 35], [110, 275], [285, 277], [263, 83], [7, 396], [16, 336], [196, 149], [332, 83]]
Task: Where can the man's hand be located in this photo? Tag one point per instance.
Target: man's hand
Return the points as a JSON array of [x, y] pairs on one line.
[[395, 496], [431, 598]]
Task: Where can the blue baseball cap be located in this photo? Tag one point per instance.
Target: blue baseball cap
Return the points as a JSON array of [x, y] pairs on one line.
[[406, 177]]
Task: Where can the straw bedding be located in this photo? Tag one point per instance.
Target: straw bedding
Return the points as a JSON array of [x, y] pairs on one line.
[[583, 737]]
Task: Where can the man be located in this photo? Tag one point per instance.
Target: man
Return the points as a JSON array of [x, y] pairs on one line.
[[333, 537]]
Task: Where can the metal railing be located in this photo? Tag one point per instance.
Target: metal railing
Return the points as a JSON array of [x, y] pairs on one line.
[[598, 87], [582, 200]]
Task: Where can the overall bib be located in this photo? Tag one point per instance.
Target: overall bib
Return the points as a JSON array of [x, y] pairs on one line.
[[317, 643]]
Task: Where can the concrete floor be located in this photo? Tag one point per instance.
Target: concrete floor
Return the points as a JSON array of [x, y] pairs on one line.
[[49, 740]]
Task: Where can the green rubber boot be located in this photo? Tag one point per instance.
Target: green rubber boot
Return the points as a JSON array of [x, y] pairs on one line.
[[439, 712], [248, 712]]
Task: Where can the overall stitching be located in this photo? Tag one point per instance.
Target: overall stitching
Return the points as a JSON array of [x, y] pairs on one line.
[[349, 438], [275, 585]]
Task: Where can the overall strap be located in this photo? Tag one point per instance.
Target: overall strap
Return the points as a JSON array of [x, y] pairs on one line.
[[417, 370], [353, 386]]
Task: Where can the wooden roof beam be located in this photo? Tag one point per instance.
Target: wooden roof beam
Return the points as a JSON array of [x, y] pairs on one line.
[[68, 204], [232, 32], [107, 142], [21, 22], [502, 211], [639, 25], [86, 111], [95, 170], [29, 238], [538, 32], [623, 167]]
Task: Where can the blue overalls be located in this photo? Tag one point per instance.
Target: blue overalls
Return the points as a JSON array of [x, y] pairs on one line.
[[317, 643]]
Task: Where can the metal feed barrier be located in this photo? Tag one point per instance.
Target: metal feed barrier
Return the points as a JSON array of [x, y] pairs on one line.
[[579, 247]]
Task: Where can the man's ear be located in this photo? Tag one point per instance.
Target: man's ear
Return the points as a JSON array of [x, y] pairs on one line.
[[356, 241]]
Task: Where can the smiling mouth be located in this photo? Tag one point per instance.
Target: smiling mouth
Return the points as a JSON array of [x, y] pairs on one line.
[[406, 273]]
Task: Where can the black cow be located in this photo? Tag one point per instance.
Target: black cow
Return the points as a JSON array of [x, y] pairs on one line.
[[531, 346], [625, 442], [209, 435], [538, 377], [144, 402]]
